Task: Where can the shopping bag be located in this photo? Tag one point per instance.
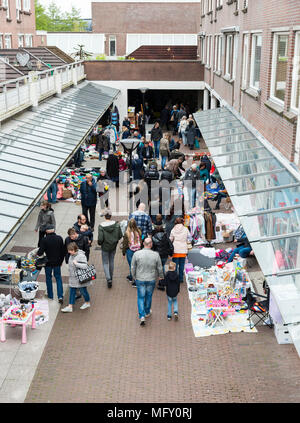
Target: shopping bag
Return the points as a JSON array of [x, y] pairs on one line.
[[86, 275]]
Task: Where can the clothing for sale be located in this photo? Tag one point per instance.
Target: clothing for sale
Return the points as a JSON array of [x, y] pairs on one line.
[[196, 224], [210, 224]]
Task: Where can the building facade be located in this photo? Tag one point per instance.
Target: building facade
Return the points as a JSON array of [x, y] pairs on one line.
[[17, 24], [251, 50], [127, 25]]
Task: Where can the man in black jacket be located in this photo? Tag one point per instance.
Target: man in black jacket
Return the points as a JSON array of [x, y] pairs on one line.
[[81, 240], [156, 136], [112, 168], [53, 247], [147, 152]]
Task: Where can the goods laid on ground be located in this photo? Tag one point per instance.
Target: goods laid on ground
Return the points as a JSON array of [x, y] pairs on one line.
[[216, 294]]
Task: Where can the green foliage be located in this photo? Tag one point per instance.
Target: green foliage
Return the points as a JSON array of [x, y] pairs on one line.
[[121, 58], [53, 19], [101, 57]]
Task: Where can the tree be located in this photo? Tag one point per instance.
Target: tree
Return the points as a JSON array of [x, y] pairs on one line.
[[53, 19], [80, 53]]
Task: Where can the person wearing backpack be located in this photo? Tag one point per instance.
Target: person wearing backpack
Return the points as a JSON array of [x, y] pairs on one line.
[[163, 245], [109, 234], [132, 242]]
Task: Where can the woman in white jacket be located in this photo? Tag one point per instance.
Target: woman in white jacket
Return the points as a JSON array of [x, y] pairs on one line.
[[182, 128], [180, 237], [77, 260]]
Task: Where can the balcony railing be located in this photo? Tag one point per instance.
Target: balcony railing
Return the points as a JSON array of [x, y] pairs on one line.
[[27, 91]]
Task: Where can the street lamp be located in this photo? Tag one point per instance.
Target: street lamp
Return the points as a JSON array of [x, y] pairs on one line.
[[129, 146], [143, 91]]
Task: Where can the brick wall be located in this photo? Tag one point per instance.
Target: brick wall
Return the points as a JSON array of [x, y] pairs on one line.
[[25, 26], [277, 124]]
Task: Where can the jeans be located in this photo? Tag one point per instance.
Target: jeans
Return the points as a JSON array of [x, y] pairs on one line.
[[83, 292], [108, 258], [59, 284], [184, 138], [129, 255], [241, 251], [163, 161], [91, 210], [144, 296], [156, 148], [52, 193], [101, 151], [192, 197], [175, 303], [180, 262]]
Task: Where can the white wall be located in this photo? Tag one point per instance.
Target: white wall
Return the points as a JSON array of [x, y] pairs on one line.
[[124, 86], [67, 42], [134, 41]]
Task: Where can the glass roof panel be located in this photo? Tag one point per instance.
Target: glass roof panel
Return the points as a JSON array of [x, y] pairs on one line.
[[52, 126], [278, 255], [229, 148], [19, 152], [223, 132], [63, 146], [217, 120], [266, 200], [57, 114], [251, 183], [7, 222], [286, 291], [231, 139], [242, 156], [217, 126], [22, 143], [20, 180], [271, 224], [17, 187], [12, 209], [43, 134], [8, 161], [250, 168], [14, 198]]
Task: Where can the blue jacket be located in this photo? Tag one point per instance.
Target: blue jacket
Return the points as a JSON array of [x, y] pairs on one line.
[[137, 166], [88, 194]]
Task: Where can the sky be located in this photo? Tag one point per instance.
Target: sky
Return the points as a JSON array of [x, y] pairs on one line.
[[85, 5]]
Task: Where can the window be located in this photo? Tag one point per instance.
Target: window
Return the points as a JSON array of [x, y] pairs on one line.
[[6, 4], [229, 55], [26, 5], [21, 40], [28, 40], [218, 53], [279, 67], [202, 49], [296, 76], [245, 61], [112, 45], [255, 61], [7, 41], [208, 50], [18, 9], [1, 41]]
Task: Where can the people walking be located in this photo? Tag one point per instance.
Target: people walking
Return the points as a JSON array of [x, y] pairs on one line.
[[132, 242], [174, 119], [165, 117], [179, 236], [172, 284], [45, 218], [146, 267], [102, 144], [80, 239], [182, 129], [77, 261], [143, 220], [52, 246], [164, 247], [88, 191], [156, 135], [112, 168], [164, 151], [137, 167], [191, 135], [109, 234], [191, 177]]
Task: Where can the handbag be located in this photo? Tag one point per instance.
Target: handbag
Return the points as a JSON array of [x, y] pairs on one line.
[[86, 275]]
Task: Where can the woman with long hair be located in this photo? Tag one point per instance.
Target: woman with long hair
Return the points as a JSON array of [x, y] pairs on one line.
[[132, 242]]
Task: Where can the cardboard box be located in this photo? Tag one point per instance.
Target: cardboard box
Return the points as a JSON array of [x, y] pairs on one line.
[[282, 334], [67, 193]]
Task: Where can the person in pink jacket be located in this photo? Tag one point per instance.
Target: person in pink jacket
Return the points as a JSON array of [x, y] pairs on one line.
[[180, 237]]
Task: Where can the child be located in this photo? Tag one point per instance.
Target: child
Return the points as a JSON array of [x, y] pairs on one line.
[[173, 287]]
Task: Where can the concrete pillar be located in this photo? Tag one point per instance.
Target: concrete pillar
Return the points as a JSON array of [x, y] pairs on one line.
[[205, 99], [33, 89], [213, 102], [74, 75], [57, 82]]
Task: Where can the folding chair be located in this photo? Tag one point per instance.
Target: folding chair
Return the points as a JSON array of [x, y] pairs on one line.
[[260, 309]]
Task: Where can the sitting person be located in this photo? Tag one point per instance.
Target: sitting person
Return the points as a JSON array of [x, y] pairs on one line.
[[243, 248], [221, 194]]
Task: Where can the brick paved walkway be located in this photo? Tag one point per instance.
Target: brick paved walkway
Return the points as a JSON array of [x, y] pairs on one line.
[[103, 355]]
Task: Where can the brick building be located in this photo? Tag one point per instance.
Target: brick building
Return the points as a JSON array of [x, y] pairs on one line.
[[127, 25], [250, 50], [17, 24]]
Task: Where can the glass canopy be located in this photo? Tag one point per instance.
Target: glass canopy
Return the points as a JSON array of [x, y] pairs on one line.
[[37, 146], [266, 196]]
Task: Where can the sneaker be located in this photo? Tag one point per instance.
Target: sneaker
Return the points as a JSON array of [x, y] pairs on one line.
[[169, 317], [133, 285], [129, 278], [61, 300], [67, 309], [109, 284], [176, 316], [85, 305], [142, 321], [148, 315]]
